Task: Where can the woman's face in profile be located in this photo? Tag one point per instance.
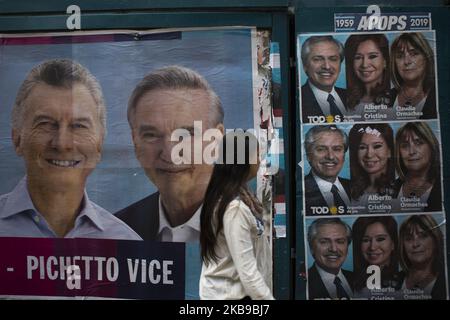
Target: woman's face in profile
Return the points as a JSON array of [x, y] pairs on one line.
[[419, 246], [369, 63], [377, 245], [410, 63], [415, 152], [373, 154]]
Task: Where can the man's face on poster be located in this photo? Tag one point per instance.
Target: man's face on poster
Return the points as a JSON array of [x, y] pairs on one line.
[[330, 247], [61, 136], [327, 154], [157, 114], [323, 65]]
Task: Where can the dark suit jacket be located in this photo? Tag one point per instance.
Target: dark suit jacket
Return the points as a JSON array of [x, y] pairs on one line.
[[310, 106], [313, 196], [434, 200], [429, 108], [143, 217], [316, 287]]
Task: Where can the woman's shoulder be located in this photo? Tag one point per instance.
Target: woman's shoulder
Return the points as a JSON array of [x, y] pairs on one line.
[[237, 206]]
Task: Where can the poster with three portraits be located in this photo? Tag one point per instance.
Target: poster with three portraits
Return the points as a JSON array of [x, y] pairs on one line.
[[374, 220]]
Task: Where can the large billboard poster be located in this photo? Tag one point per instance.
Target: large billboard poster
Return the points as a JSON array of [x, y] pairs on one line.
[[374, 220], [80, 189]]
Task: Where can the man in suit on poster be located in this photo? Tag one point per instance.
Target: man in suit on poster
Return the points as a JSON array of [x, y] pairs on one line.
[[324, 190], [328, 240], [321, 58], [165, 100]]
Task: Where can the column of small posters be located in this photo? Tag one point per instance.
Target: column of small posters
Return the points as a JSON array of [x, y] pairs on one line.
[[372, 166]]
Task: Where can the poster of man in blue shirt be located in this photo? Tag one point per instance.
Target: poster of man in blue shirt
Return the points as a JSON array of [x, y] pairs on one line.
[[58, 127]]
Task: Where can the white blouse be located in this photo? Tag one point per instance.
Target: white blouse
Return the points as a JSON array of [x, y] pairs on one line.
[[244, 264]]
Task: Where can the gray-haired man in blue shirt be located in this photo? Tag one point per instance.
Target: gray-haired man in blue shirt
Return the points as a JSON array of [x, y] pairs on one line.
[[58, 127]]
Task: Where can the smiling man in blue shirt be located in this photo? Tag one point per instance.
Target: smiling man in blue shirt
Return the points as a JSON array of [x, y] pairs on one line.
[[58, 124]]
